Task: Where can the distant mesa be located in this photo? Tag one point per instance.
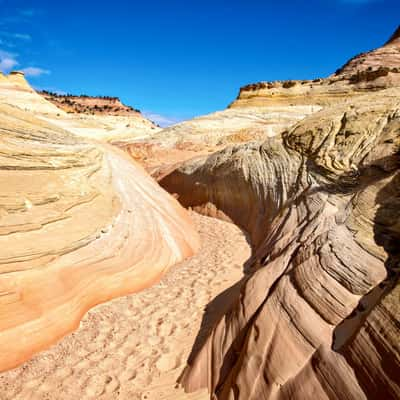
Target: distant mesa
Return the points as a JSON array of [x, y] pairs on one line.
[[84, 104]]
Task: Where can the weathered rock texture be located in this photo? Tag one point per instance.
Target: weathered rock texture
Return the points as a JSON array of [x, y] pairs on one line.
[[105, 126], [375, 70], [266, 109], [318, 315], [80, 224], [99, 105], [165, 150], [233, 126], [15, 91]]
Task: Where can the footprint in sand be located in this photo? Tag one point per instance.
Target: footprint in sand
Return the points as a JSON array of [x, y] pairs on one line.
[[167, 362]]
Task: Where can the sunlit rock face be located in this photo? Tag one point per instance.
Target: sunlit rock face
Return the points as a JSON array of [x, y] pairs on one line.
[[104, 126], [381, 65], [233, 126], [16, 91], [80, 225], [266, 109], [375, 70], [100, 118], [318, 315], [165, 150]]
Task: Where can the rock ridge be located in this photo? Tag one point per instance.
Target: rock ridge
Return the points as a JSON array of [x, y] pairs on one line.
[[318, 314]]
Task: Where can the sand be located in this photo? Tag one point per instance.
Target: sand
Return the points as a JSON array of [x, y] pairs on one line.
[[135, 347]]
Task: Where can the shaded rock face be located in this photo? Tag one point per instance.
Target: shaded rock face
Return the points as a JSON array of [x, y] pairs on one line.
[[80, 225], [318, 315]]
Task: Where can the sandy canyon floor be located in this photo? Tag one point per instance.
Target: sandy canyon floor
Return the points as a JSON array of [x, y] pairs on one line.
[[135, 347]]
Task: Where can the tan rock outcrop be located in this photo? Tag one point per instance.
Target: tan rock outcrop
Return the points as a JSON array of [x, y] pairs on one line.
[[318, 315], [18, 78], [375, 70], [93, 105], [105, 127], [165, 150], [15, 91], [232, 126], [80, 225]]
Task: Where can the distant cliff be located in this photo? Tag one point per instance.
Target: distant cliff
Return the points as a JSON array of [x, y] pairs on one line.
[[374, 70], [98, 105]]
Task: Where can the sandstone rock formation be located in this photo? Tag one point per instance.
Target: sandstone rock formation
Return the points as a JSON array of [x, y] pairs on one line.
[[375, 70], [15, 91], [233, 126], [266, 109], [108, 127], [318, 314], [165, 150], [80, 224], [98, 105]]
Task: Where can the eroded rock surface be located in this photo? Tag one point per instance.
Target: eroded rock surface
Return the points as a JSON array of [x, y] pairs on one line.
[[166, 149], [80, 224], [318, 315], [378, 69], [104, 126]]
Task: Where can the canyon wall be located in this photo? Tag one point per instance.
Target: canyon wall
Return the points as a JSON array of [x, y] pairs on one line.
[[318, 314]]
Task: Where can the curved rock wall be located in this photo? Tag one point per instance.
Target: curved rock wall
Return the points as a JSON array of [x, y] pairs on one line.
[[318, 315], [80, 225]]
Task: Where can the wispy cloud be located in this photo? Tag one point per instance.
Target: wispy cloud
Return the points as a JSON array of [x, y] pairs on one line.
[[161, 120], [7, 61], [35, 71], [21, 15], [28, 12], [20, 36], [11, 37]]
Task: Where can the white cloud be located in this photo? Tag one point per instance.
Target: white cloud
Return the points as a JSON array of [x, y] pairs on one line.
[[34, 71], [7, 61], [161, 120]]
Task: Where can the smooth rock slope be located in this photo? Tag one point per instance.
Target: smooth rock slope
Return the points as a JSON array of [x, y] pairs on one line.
[[80, 225], [105, 126]]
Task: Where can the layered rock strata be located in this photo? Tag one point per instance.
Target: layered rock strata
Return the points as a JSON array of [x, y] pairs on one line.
[[232, 126], [107, 126], [378, 69], [80, 225], [318, 314], [95, 105]]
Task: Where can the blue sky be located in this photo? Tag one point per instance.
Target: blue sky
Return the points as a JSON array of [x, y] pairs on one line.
[[177, 59]]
